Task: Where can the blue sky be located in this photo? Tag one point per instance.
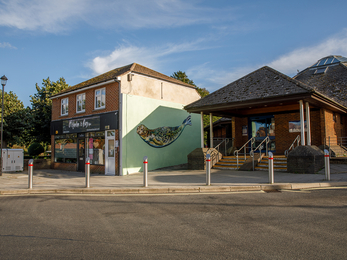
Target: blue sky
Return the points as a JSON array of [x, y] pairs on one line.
[[214, 42]]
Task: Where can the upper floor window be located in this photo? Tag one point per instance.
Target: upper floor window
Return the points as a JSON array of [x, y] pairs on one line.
[[100, 98], [64, 106], [81, 103]]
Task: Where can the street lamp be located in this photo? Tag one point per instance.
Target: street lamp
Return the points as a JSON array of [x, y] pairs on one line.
[[3, 83]]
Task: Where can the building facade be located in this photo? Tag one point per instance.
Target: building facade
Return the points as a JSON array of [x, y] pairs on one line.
[[117, 118], [266, 104]]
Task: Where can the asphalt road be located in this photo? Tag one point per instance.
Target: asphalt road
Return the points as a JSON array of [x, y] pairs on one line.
[[274, 225]]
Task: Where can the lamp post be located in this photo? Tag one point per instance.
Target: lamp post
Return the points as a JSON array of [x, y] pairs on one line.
[[3, 83]]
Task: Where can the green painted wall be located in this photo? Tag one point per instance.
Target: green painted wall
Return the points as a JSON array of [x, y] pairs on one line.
[[153, 114]]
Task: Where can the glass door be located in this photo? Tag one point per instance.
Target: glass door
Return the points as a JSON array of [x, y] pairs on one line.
[[81, 154], [110, 166], [261, 127]]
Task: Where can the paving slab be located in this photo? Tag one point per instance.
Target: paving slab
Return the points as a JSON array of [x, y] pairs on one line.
[[51, 181]]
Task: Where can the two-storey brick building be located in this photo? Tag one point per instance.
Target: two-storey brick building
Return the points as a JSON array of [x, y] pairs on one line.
[[117, 118]]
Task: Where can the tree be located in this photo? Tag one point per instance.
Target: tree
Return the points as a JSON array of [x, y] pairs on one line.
[[16, 120], [42, 108], [182, 76]]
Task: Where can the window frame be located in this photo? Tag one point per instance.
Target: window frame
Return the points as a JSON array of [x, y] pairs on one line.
[[78, 101], [65, 106], [101, 97]]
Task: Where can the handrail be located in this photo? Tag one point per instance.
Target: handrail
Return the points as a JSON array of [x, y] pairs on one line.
[[225, 141], [236, 153], [259, 147], [297, 139]]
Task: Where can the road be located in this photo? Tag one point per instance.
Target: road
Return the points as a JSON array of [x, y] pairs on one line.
[[274, 225]]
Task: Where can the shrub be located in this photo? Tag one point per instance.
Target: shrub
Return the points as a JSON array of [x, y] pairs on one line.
[[35, 149]]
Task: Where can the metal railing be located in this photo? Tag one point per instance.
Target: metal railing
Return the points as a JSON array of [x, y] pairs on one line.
[[223, 145], [336, 141], [292, 146], [244, 148], [260, 147]]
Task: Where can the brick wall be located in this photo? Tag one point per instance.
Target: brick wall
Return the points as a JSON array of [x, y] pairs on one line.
[[239, 139], [334, 125], [111, 104]]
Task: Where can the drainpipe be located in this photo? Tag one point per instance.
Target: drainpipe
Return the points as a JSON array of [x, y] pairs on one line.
[[211, 131], [120, 132], [202, 129]]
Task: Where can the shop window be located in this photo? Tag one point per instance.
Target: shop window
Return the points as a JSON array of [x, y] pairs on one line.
[[100, 98], [81, 103], [96, 147], [64, 106], [65, 148]]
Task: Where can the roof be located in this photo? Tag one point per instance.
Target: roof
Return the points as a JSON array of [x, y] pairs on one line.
[[113, 74], [260, 84], [328, 76]]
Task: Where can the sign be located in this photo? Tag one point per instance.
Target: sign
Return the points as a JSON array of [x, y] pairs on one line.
[[81, 125], [295, 126], [244, 130]]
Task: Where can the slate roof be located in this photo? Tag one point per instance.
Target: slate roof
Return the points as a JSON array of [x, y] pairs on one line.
[[260, 84], [113, 74], [332, 83]]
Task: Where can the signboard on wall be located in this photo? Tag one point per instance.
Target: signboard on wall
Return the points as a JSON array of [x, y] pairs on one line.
[[244, 130], [100, 122], [81, 125], [295, 127]]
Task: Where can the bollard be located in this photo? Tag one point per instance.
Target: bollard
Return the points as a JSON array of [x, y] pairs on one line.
[[30, 173], [208, 169], [327, 164], [271, 168], [145, 171], [87, 172]]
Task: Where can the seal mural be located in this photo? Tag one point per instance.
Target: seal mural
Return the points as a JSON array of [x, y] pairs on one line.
[[162, 136]]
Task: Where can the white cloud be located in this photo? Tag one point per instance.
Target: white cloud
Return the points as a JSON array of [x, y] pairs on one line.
[[149, 57], [302, 58], [7, 45], [57, 16], [45, 15], [288, 64]]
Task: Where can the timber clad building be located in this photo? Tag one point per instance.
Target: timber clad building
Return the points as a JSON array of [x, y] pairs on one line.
[[117, 118], [267, 103]]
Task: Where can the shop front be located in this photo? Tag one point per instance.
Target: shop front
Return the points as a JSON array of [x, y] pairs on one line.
[[92, 137]]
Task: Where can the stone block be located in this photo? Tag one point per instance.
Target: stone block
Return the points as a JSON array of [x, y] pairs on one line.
[[305, 159]]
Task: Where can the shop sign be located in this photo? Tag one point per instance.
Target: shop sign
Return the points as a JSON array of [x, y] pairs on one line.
[[81, 125]]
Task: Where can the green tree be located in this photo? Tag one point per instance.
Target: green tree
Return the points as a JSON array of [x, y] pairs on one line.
[[41, 109], [16, 120], [182, 76]]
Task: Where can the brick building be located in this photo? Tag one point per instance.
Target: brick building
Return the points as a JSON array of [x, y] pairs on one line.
[[117, 118], [269, 104]]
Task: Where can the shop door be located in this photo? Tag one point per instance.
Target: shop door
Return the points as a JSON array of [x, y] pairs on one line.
[[81, 154], [110, 158]]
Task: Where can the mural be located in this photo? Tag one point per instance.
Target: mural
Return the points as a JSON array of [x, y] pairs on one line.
[[162, 136]]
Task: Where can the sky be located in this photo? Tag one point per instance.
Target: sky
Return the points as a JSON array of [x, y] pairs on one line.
[[214, 42]]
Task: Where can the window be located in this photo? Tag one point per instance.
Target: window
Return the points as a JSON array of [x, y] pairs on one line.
[[96, 147], [65, 148], [100, 98], [81, 103], [64, 106]]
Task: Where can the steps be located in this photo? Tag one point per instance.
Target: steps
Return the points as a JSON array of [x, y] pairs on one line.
[[229, 162], [338, 151], [280, 163]]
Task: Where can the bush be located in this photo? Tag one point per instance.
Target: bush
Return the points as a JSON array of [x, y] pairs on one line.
[[35, 149]]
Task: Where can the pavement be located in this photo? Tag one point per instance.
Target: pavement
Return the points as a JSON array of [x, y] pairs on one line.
[[49, 181]]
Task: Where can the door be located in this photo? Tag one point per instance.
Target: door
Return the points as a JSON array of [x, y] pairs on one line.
[[261, 127], [110, 158], [81, 154]]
